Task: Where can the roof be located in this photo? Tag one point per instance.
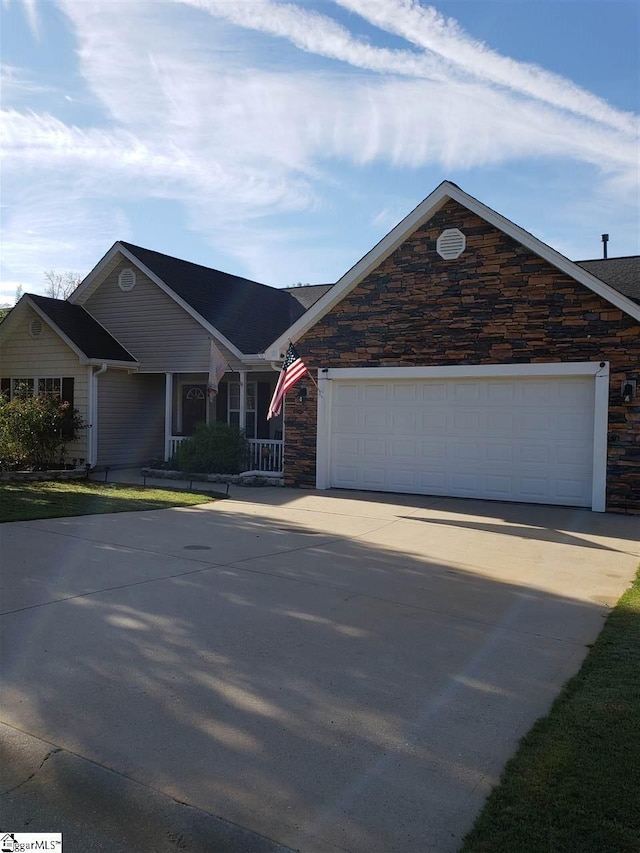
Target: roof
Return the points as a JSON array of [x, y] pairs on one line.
[[81, 329], [308, 294], [621, 273], [249, 314], [423, 213]]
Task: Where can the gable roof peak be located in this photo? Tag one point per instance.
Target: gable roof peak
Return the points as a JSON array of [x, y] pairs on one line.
[[421, 214]]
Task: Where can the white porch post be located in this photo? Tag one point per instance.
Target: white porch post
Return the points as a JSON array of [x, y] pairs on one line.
[[168, 408], [243, 400]]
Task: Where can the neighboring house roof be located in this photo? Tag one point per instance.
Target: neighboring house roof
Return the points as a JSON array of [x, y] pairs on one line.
[[308, 294], [249, 314], [421, 214], [621, 273], [80, 329]]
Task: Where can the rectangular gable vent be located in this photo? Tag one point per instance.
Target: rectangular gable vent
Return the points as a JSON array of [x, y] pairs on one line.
[[451, 244]]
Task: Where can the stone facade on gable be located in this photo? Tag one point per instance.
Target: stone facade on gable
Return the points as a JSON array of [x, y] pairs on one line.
[[497, 303]]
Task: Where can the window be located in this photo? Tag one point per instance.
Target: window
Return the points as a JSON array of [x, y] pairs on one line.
[[21, 388], [233, 410], [50, 386]]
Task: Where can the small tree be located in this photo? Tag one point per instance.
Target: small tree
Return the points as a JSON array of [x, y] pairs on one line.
[[214, 449], [60, 285], [34, 431]]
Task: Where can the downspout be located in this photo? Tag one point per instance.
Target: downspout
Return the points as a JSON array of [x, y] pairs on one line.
[[93, 457]]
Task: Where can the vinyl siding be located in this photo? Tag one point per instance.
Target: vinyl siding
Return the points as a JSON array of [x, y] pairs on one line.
[[22, 356], [130, 418], [154, 328]]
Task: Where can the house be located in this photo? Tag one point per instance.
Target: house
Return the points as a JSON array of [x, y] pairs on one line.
[[131, 348], [461, 356]]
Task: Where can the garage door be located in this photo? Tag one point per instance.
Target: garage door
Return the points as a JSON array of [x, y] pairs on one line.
[[515, 439]]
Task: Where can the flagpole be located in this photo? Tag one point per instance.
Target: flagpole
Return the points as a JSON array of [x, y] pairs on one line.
[[308, 373]]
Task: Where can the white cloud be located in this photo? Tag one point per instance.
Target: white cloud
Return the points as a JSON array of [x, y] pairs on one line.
[[425, 27], [196, 111]]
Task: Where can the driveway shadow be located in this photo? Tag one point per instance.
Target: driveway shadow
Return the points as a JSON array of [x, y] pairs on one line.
[[333, 693]]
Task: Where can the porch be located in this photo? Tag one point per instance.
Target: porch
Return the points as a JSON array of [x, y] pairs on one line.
[[243, 401], [264, 454]]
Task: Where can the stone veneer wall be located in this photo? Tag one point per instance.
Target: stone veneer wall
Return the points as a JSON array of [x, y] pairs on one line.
[[497, 303]]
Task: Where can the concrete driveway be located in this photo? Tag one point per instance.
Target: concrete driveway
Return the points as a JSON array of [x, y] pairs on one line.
[[321, 671]]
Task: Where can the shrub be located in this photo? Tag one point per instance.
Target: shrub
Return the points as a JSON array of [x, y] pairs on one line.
[[215, 448], [34, 431]]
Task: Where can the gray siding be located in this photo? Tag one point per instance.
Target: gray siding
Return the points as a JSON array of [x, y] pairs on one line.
[[22, 356], [154, 328], [130, 418]]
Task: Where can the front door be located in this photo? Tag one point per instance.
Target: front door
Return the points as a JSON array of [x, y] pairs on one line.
[[194, 407]]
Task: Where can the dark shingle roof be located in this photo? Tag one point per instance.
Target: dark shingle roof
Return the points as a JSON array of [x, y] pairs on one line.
[[249, 314], [623, 274], [308, 294], [81, 328]]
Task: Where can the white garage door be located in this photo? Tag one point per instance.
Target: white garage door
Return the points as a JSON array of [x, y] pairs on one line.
[[514, 439]]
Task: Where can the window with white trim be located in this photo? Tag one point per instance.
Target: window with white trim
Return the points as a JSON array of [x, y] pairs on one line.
[[50, 385], [233, 408], [29, 386], [21, 388]]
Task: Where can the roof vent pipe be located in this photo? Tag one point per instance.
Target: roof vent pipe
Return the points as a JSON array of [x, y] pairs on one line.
[[605, 240]]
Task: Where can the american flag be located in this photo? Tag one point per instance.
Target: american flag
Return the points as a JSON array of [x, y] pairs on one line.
[[293, 369]]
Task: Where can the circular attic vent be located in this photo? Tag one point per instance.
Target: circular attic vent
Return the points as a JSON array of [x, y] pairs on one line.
[[35, 328], [451, 244], [127, 279]]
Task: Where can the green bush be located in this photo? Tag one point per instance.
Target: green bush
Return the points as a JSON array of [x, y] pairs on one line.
[[34, 431], [213, 449]]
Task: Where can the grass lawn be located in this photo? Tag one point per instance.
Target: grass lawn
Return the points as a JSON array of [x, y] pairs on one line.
[[55, 499], [574, 785]]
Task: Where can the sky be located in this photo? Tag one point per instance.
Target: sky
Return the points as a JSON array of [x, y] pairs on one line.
[[281, 141]]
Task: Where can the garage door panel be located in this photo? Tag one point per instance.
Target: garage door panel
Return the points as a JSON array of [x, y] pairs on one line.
[[536, 391], [347, 392], [373, 447], [403, 448], [374, 478], [466, 421], [374, 393], [404, 393], [347, 447], [499, 452], [347, 419], [466, 452], [466, 392], [433, 450], [402, 480], [375, 420], [434, 422], [499, 393], [497, 487], [569, 488], [434, 392], [403, 421], [500, 421], [432, 482], [568, 422], [515, 439]]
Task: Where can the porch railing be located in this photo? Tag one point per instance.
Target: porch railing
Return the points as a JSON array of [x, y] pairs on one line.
[[174, 443], [264, 454]]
